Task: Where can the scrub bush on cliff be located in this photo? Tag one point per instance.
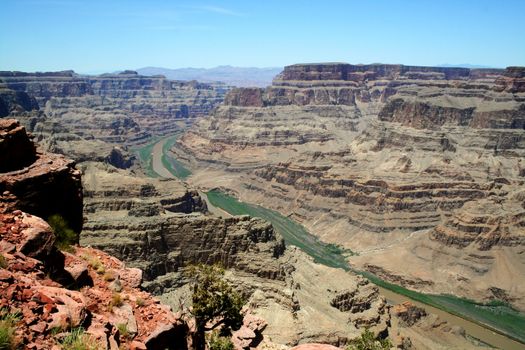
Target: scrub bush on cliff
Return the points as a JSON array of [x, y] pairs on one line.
[[214, 303], [368, 341], [8, 340], [65, 236]]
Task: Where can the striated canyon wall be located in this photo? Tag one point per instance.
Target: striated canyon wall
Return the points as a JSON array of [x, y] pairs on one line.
[[161, 227], [371, 157], [76, 115]]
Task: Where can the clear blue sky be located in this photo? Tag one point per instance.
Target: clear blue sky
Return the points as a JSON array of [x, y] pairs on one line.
[[107, 35]]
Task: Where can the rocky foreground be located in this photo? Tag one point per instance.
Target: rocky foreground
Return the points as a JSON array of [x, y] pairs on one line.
[[56, 292], [418, 169], [52, 293]]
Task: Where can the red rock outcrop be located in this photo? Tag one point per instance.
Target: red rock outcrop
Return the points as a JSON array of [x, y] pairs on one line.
[[39, 183], [249, 335], [49, 310], [16, 149]]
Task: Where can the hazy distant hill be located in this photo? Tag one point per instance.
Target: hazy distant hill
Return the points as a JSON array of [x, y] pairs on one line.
[[465, 65], [237, 76]]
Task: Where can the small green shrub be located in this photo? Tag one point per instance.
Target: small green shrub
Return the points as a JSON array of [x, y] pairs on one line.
[[116, 301], [78, 340], [220, 343], [95, 263], [65, 236], [368, 341], [140, 302], [123, 330], [8, 322]]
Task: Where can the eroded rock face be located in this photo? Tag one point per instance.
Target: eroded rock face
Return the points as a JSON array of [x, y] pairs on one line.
[[408, 313], [47, 184], [119, 159], [513, 80], [13, 101], [159, 225], [485, 223], [279, 283], [368, 155], [76, 115]]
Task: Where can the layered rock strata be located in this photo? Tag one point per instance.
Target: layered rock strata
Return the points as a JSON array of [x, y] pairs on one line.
[[74, 114], [281, 285], [366, 155]]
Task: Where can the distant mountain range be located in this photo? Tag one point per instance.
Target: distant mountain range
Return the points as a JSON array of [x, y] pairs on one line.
[[236, 76]]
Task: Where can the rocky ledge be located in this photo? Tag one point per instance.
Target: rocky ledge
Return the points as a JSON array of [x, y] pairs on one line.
[[55, 293], [40, 183]]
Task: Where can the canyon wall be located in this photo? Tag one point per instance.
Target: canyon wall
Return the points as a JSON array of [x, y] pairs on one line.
[[370, 157], [89, 117], [162, 227]]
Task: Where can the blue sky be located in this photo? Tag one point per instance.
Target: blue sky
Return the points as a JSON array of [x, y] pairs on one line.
[[108, 35]]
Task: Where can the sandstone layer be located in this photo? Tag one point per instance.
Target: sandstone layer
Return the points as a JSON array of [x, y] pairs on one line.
[[366, 155]]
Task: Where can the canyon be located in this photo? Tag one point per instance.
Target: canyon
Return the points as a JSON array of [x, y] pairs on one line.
[[415, 170], [100, 117]]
